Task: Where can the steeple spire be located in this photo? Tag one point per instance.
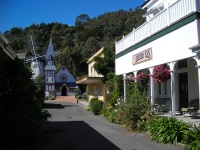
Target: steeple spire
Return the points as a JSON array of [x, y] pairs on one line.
[[50, 50]]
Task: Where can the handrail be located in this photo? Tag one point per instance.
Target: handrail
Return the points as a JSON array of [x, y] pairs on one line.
[[165, 18]]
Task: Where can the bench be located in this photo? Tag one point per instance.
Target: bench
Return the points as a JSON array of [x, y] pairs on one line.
[[192, 108]]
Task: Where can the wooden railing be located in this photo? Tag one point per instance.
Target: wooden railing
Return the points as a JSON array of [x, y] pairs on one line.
[[167, 17]]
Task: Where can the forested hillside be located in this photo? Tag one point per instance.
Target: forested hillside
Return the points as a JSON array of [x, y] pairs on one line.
[[77, 43]]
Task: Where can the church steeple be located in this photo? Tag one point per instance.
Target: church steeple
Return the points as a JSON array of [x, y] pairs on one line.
[[50, 50], [49, 69]]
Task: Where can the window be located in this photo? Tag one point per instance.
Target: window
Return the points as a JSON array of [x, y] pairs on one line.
[[96, 92], [90, 90], [49, 73], [162, 89], [101, 90], [165, 88], [159, 88]]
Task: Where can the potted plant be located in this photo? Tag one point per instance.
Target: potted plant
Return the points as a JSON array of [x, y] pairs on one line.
[[161, 73], [142, 78]]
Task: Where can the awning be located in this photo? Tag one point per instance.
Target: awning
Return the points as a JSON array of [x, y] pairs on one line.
[[88, 80]]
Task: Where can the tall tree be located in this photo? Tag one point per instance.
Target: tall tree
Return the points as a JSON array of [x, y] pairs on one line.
[[105, 65], [82, 20]]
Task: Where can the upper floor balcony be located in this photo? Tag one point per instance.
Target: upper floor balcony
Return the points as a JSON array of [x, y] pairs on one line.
[[167, 17]]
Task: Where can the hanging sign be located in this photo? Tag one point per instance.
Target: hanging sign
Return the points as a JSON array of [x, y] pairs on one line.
[[142, 56]]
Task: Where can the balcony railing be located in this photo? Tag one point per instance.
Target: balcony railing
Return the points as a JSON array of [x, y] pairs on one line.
[[167, 17]]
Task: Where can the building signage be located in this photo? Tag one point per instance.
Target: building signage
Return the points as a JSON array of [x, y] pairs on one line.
[[142, 56]]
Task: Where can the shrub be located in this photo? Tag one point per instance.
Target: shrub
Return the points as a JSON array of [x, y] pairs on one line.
[[92, 102], [167, 130], [192, 138], [96, 106], [145, 120], [110, 113], [46, 98]]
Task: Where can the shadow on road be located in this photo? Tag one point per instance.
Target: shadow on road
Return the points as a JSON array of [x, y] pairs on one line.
[[56, 106], [74, 135], [53, 106]]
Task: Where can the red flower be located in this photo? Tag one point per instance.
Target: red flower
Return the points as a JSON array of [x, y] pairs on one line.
[[142, 78], [161, 74]]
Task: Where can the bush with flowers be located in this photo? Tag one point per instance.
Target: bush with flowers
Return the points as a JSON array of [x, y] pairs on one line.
[[142, 78], [161, 73]]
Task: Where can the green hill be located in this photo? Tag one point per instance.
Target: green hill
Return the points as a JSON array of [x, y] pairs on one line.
[[77, 43]]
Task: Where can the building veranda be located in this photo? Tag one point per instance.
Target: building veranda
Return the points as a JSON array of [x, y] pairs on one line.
[[170, 36]]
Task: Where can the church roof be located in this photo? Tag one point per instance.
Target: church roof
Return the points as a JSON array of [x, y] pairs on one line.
[[69, 84], [52, 67], [50, 50]]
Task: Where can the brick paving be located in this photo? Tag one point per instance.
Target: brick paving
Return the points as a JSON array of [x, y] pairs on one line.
[[70, 99]]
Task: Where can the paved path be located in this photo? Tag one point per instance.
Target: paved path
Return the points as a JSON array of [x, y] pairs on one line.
[[73, 128]]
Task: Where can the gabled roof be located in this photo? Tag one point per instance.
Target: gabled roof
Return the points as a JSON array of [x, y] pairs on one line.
[[147, 1], [98, 53], [50, 50]]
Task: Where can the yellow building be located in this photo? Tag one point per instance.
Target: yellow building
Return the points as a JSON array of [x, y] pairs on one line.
[[95, 88]]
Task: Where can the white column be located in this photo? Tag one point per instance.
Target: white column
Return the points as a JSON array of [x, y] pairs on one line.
[[124, 75], [173, 88], [197, 58], [135, 74], [173, 92], [152, 85]]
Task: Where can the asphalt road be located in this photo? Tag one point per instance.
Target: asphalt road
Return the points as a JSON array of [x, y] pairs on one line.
[[73, 128]]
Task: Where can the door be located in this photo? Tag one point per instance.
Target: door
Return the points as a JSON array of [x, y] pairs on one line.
[[64, 91], [183, 89]]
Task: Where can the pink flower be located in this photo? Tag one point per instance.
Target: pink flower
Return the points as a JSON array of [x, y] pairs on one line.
[[142, 78], [161, 74]]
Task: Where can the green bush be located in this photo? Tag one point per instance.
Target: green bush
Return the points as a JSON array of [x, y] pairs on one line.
[[145, 120], [92, 102], [192, 138], [96, 107], [21, 112], [110, 113], [46, 98], [168, 130], [134, 109]]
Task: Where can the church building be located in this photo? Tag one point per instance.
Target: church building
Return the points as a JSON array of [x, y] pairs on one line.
[[62, 81]]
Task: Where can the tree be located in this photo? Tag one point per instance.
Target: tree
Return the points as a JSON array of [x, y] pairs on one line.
[[21, 113], [105, 65], [82, 20]]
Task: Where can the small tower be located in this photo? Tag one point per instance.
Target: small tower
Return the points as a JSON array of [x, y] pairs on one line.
[[49, 69]]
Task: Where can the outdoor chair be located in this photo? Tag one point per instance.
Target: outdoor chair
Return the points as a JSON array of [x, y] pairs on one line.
[[192, 108], [158, 108]]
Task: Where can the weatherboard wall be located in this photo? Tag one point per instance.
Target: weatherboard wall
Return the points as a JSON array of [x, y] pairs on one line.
[[170, 47]]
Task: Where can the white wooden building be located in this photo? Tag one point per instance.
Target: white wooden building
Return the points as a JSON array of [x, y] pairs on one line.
[[65, 82], [170, 36]]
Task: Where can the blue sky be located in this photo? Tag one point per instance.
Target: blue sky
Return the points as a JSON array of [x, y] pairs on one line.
[[23, 13]]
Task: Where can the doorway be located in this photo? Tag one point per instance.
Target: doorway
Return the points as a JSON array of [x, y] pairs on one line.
[[183, 89], [64, 90]]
